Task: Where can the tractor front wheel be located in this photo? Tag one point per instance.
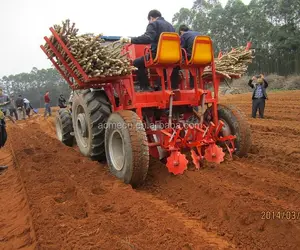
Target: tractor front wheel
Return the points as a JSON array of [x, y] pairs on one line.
[[64, 127], [126, 147]]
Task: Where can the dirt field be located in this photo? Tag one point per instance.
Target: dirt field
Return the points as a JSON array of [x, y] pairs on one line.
[[53, 198]]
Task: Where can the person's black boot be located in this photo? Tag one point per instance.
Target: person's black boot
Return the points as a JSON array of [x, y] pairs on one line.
[[148, 89], [157, 88], [137, 88], [143, 88]]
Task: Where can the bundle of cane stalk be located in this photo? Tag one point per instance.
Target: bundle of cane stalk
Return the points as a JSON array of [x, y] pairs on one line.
[[233, 64], [96, 58]]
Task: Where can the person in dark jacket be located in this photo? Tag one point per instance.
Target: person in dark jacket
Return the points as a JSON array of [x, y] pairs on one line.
[[13, 108], [20, 107], [3, 135], [187, 38], [157, 25], [258, 84], [62, 101]]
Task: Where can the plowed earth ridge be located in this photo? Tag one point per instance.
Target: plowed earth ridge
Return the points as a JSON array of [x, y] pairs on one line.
[[54, 198]]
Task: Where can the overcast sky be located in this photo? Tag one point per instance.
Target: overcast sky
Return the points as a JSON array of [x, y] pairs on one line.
[[24, 23]]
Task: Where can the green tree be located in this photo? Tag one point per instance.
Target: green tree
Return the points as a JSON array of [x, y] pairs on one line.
[[273, 27]]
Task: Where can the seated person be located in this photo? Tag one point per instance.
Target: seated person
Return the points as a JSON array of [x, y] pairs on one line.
[[187, 38], [157, 25]]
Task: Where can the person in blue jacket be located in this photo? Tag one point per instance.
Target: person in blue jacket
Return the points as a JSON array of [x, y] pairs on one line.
[[259, 96], [187, 38], [157, 25]]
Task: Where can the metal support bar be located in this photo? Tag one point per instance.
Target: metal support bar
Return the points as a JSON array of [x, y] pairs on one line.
[[170, 110], [202, 108]]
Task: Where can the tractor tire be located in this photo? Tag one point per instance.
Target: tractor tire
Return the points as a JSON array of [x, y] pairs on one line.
[[126, 147], [235, 124], [90, 111], [64, 127]]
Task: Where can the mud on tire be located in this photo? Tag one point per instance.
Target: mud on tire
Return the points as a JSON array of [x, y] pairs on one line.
[[126, 147], [64, 127], [90, 111]]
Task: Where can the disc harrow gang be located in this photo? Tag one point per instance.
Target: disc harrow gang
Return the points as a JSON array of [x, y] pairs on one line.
[[200, 139]]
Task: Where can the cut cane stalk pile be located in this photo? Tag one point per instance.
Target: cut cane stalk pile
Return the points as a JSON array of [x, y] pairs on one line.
[[232, 64], [96, 58]]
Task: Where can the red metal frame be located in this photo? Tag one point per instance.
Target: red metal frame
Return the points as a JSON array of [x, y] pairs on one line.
[[169, 139]]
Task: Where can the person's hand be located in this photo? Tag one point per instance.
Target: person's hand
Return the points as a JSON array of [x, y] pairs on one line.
[[125, 40], [253, 78], [262, 76]]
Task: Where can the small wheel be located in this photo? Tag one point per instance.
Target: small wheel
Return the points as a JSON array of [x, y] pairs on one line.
[[126, 147], [235, 124], [64, 127]]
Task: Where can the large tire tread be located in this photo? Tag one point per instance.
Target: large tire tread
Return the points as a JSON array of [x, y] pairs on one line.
[[67, 127], [99, 109], [136, 165], [139, 145]]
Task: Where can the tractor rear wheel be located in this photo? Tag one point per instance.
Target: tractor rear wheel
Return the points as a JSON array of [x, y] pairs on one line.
[[235, 124], [126, 147], [64, 127], [90, 111]]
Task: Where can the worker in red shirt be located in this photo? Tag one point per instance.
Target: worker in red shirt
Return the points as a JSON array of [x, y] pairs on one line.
[[47, 104]]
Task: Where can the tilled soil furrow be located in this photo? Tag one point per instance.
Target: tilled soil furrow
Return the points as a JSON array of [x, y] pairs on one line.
[[16, 227], [77, 204], [248, 203], [228, 209]]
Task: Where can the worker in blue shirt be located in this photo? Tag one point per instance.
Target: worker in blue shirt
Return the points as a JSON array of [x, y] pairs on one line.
[[258, 84], [187, 38]]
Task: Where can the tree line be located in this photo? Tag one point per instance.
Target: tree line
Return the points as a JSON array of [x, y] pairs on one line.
[[273, 27], [33, 86]]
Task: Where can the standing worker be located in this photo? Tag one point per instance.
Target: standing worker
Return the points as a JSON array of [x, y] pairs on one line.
[[20, 107], [187, 38], [157, 25], [4, 101], [47, 104], [5, 104], [13, 107], [258, 84], [3, 135], [27, 107]]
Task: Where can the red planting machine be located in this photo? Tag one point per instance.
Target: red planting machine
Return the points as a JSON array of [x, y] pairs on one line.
[[111, 121]]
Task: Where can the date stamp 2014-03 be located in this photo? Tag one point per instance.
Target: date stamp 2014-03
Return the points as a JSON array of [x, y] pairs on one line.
[[280, 215]]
